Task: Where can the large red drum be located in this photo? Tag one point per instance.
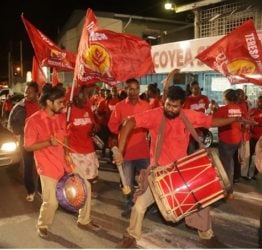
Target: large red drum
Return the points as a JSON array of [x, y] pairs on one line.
[[191, 183]]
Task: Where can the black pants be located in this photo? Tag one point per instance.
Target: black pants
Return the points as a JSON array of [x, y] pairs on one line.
[[29, 170], [253, 142]]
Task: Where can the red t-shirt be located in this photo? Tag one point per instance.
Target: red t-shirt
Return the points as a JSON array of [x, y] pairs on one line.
[[256, 131], [154, 103], [80, 126], [137, 146], [112, 103], [197, 103], [50, 161], [231, 133], [103, 112], [31, 108], [245, 128], [176, 134]]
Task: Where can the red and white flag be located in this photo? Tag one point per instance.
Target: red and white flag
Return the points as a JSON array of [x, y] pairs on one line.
[[47, 52], [38, 75], [111, 57], [238, 55]]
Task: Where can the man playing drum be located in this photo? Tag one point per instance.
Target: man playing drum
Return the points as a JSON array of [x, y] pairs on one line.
[[44, 132], [174, 146]]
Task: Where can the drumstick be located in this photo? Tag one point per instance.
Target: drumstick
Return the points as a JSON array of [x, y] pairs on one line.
[[63, 144], [126, 189], [72, 166]]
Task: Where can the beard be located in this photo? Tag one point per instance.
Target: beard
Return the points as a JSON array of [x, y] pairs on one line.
[[170, 115]]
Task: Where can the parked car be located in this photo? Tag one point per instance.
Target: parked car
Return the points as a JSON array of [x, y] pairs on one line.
[[210, 138], [9, 148]]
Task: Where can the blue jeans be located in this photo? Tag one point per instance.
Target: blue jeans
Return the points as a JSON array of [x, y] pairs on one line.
[[130, 169], [226, 155]]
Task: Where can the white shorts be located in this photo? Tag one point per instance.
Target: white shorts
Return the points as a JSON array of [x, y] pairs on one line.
[[87, 164]]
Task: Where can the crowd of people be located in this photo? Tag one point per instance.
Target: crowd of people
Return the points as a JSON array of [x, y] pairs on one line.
[[53, 138]]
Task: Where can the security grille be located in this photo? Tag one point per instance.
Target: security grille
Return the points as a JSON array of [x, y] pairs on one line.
[[223, 19]]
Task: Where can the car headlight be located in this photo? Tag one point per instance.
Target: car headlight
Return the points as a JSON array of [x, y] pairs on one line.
[[9, 146]]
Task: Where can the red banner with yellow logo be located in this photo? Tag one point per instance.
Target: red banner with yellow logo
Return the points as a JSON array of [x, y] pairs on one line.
[[111, 57], [238, 55], [47, 52]]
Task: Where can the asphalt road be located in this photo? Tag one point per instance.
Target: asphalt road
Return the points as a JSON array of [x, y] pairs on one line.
[[234, 222]]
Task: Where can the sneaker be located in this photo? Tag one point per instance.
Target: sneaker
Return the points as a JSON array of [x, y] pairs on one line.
[[30, 197], [213, 243], [236, 180], [127, 242], [42, 232], [247, 178], [90, 226]]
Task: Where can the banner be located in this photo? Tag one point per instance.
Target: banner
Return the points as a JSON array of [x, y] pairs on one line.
[[238, 55], [47, 52], [111, 57], [38, 75]]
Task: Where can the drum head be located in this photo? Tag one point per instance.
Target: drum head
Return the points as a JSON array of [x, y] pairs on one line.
[[71, 192], [167, 214], [220, 169]]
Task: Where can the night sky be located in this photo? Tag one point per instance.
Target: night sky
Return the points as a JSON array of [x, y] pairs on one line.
[[49, 16]]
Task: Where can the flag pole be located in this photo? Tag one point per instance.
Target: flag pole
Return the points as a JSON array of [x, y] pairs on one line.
[[69, 105]]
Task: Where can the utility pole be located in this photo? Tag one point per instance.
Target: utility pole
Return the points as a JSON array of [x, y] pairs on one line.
[[10, 70], [21, 58]]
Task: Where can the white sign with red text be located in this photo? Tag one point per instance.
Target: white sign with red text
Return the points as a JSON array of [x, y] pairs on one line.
[[182, 55]]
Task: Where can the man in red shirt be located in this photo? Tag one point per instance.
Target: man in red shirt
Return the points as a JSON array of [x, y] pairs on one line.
[[17, 118], [198, 102], [242, 156], [174, 146], [137, 148], [44, 132]]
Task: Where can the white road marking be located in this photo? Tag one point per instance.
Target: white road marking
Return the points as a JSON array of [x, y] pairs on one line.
[[15, 219]]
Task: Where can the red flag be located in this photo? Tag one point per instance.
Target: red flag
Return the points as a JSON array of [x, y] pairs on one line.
[[238, 55], [38, 75], [110, 57], [55, 77], [47, 52]]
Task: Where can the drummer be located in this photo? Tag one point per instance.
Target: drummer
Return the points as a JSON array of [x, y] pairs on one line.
[[44, 133], [174, 146]]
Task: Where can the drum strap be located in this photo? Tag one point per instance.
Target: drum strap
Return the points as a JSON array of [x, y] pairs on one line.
[[159, 141], [191, 129]]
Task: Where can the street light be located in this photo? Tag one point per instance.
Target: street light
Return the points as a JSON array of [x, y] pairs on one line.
[[169, 6]]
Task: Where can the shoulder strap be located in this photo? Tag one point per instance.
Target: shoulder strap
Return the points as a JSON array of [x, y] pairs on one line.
[[191, 129], [159, 140]]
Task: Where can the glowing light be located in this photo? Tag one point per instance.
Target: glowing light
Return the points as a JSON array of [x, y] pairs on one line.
[[9, 146]]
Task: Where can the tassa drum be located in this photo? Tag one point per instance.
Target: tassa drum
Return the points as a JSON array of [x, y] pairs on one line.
[[191, 183], [71, 192]]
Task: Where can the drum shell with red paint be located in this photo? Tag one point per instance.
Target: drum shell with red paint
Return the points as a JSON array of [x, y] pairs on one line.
[[191, 183]]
